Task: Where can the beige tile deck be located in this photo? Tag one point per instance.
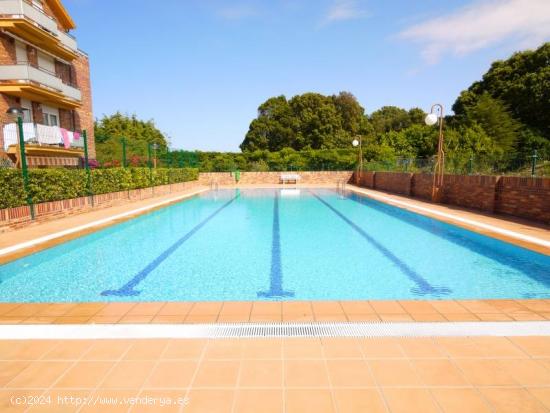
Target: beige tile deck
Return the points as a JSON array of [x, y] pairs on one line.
[[317, 375]]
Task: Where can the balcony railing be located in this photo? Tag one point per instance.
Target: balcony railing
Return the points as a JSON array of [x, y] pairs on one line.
[[44, 135], [26, 10], [67, 40], [28, 73]]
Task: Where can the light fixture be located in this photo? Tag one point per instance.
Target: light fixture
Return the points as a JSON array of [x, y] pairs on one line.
[[431, 119], [355, 143], [14, 112]]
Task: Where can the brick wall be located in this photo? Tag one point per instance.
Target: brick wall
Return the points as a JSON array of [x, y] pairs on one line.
[[520, 197], [475, 191], [421, 186], [366, 179], [523, 197], [83, 118], [272, 178], [5, 103], [7, 57], [7, 50], [399, 183]]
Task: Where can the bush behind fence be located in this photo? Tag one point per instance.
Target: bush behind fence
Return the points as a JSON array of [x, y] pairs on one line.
[[58, 184]]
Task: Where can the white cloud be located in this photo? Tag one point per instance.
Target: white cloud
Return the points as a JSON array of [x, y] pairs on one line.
[[524, 23], [237, 12], [342, 10]]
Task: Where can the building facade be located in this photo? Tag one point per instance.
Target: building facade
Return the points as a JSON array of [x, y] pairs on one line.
[[43, 72]]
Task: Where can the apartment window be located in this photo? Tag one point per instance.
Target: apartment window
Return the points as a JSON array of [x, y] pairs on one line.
[[51, 115], [27, 115], [26, 107], [46, 62], [21, 52], [50, 120]]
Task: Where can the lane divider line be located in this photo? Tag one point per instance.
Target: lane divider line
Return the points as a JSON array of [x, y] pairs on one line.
[[128, 288], [492, 228], [423, 287]]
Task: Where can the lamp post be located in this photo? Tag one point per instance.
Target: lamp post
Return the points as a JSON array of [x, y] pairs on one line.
[[155, 148], [123, 142], [359, 143], [431, 119], [17, 115]]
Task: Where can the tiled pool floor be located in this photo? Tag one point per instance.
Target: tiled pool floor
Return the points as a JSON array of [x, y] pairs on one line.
[[306, 311], [473, 374]]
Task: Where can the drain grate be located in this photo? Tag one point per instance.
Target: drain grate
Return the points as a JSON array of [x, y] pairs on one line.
[[273, 330]]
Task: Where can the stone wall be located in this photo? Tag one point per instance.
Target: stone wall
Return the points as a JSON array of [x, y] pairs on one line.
[[273, 178]]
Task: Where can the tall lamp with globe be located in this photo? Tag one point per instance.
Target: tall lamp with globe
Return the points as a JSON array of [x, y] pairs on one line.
[[358, 142], [435, 116]]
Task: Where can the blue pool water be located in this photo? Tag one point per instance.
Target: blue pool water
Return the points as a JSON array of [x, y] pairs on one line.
[[277, 245]]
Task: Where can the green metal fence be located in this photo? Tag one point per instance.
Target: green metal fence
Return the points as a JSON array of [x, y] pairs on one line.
[[530, 165]]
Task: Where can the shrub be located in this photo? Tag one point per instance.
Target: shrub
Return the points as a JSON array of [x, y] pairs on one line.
[[57, 184]]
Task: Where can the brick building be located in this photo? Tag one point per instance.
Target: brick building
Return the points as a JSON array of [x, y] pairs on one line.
[[44, 73]]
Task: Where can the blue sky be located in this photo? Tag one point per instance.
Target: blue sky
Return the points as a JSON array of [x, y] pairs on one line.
[[200, 68]]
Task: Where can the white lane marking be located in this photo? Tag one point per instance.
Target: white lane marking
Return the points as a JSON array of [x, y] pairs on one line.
[[248, 330], [92, 224], [478, 224]]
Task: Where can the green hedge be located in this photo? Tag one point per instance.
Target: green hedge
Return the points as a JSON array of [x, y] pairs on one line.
[[56, 184]]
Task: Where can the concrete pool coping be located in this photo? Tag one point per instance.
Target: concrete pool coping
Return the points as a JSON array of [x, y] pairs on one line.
[[282, 311]]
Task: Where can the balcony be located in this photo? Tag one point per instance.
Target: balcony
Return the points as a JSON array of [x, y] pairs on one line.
[[33, 25], [26, 81], [44, 145]]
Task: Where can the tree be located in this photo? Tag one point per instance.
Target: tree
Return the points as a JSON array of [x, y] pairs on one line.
[[308, 121], [496, 120], [392, 118], [273, 129], [138, 135], [319, 122], [522, 84]]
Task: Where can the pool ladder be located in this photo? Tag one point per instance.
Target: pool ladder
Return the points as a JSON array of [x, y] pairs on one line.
[[214, 185], [341, 187]]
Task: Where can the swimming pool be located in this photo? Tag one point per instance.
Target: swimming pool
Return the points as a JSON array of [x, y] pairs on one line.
[[273, 244]]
